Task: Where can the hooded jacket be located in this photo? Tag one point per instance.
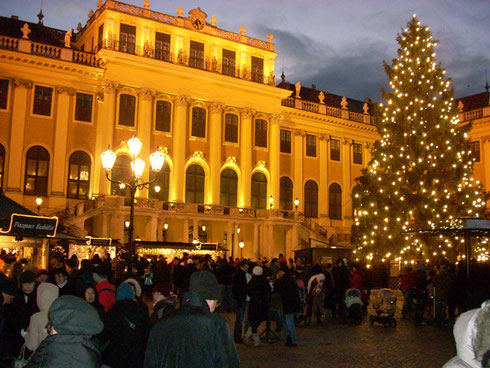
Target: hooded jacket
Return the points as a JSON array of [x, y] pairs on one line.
[[465, 333], [36, 332], [191, 337], [75, 322]]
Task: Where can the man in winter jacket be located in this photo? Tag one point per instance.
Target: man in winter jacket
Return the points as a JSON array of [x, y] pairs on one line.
[[105, 290], [72, 323], [239, 290], [286, 285], [193, 336]]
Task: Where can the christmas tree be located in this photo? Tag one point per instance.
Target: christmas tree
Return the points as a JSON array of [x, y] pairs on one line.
[[420, 172]]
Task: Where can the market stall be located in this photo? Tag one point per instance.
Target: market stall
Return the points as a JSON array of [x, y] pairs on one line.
[[171, 250]]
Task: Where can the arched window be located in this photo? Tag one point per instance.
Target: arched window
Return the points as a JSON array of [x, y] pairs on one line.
[[228, 188], [120, 171], [163, 179], [37, 169], [194, 184], [79, 175], [311, 199], [127, 110], [2, 166], [286, 194], [335, 201], [259, 191]]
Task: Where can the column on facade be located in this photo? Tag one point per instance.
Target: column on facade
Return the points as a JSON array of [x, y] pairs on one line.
[[178, 148], [346, 176], [268, 237], [117, 225], [367, 150], [275, 158], [236, 248], [256, 245], [292, 245], [153, 228], [195, 229], [229, 236], [298, 167], [106, 115], [16, 144], [105, 225], [246, 157], [185, 232], [215, 127], [143, 131], [323, 190], [60, 141]]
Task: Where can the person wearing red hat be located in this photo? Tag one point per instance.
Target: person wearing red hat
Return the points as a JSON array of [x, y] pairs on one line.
[[164, 302]]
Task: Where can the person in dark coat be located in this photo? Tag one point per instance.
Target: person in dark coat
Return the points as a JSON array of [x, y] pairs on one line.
[[442, 283], [286, 285], [341, 278], [91, 297], [66, 284], [239, 291], [8, 292], [193, 336], [83, 277], [259, 291], [164, 302], [126, 328], [19, 313], [329, 291], [420, 284], [72, 323]]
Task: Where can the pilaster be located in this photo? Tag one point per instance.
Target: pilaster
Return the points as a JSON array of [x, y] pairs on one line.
[[275, 158], [256, 240], [298, 167], [246, 157], [346, 176], [58, 183], [178, 147], [143, 131], [323, 190], [215, 128]]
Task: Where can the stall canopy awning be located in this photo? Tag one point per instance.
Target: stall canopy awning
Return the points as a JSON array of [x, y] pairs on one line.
[[460, 226], [179, 245]]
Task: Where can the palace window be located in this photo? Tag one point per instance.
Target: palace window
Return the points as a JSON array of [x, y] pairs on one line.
[[311, 199], [127, 110], [37, 170], [475, 150], [83, 107], [42, 100], [127, 39], [285, 141], [335, 202], [231, 128], [198, 122], [163, 180], [259, 191], [163, 113], [79, 175], [4, 93], [162, 46], [257, 69], [311, 145], [2, 166], [194, 184], [100, 38], [228, 188], [121, 171], [260, 133], [228, 62], [285, 194], [196, 59], [334, 150], [357, 153]]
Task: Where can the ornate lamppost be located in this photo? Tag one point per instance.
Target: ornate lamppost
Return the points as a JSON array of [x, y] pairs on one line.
[[39, 202], [296, 204], [133, 182], [241, 244]]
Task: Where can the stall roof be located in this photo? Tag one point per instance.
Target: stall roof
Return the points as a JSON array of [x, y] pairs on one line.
[[460, 226], [179, 245]]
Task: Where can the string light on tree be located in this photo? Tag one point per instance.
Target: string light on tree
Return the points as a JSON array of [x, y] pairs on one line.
[[420, 172]]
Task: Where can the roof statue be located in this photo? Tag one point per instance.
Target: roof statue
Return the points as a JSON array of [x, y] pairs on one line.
[[344, 103], [100, 3], [68, 35], [180, 11], [460, 106], [321, 97], [146, 4], [79, 26], [25, 31], [213, 21], [298, 89], [270, 37], [365, 107], [243, 30]]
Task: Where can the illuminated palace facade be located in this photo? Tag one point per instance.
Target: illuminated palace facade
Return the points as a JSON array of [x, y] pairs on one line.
[[250, 159]]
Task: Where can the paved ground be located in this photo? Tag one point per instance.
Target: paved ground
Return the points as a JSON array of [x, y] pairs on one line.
[[338, 345]]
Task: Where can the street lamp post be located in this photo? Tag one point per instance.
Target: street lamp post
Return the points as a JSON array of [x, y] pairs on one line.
[[241, 244], [134, 182], [271, 202], [39, 202], [296, 204]]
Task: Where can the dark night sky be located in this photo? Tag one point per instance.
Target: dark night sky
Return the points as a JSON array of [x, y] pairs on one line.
[[338, 45]]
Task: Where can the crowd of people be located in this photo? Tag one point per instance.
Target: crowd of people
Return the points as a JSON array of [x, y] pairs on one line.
[[90, 313]]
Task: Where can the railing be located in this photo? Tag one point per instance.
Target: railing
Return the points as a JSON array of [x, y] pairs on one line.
[[85, 58], [9, 43], [471, 115], [210, 65], [312, 225], [321, 108], [45, 50]]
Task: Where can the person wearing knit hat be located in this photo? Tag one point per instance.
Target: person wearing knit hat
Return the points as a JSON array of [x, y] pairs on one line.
[[257, 271], [126, 327], [193, 336], [259, 291]]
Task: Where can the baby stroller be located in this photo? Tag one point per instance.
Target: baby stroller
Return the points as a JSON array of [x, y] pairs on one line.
[[385, 307], [353, 305]]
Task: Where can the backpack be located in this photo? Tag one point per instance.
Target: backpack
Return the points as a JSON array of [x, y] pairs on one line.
[[318, 290]]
